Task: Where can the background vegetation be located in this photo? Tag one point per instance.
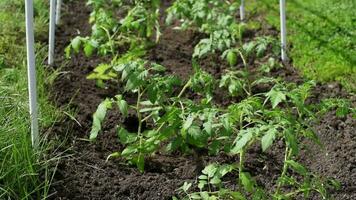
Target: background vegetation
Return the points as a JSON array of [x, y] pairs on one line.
[[19, 164], [323, 36]]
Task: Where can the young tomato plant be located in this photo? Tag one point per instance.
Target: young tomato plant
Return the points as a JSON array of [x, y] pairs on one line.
[[214, 18], [280, 115], [110, 32]]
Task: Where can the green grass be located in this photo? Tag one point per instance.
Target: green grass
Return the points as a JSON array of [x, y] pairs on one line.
[[19, 164], [323, 34]]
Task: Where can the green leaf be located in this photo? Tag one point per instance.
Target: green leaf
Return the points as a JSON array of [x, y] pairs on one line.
[[215, 181], [122, 104], [188, 122], [247, 181], [98, 118], [237, 196], [76, 43], [291, 141], [186, 186], [243, 138], [195, 136], [174, 144], [128, 151], [268, 138], [224, 169], [276, 97], [300, 169], [89, 49], [158, 67], [202, 184], [203, 177], [68, 51], [126, 137], [204, 195], [140, 163], [210, 170], [232, 58]]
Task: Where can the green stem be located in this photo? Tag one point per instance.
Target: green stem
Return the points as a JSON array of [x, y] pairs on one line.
[[109, 38], [241, 164], [296, 192], [287, 155], [139, 116], [185, 87]]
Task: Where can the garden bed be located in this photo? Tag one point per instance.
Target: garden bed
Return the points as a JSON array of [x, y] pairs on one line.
[[85, 173]]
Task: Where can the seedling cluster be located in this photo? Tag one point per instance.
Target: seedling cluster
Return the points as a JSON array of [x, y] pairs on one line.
[[170, 120]]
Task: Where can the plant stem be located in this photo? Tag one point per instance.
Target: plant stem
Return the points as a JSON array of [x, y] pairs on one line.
[[296, 192], [287, 155], [241, 164], [139, 116], [185, 87]]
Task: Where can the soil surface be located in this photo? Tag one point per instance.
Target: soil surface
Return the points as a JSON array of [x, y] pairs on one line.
[[84, 172]]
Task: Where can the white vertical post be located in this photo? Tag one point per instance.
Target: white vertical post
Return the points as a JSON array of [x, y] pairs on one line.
[[31, 71], [242, 10], [52, 30], [58, 12], [282, 5]]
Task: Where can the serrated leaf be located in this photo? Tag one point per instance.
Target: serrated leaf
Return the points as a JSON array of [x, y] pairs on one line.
[[68, 51], [98, 118], [237, 196], [215, 181], [203, 177], [224, 169], [126, 137], [202, 184], [129, 151], [76, 43], [123, 107], [175, 144], [276, 97], [158, 67], [204, 195], [244, 138], [210, 170], [188, 122], [268, 138], [88, 49], [291, 141], [300, 169], [247, 181], [195, 136], [186, 186]]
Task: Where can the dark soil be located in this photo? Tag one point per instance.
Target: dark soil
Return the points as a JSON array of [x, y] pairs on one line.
[[84, 172]]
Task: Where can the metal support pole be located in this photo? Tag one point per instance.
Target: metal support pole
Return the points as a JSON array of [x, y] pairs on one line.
[[242, 10], [58, 12], [283, 30], [52, 30], [31, 71]]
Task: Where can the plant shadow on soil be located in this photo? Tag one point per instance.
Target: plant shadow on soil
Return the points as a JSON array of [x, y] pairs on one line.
[[85, 174]]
